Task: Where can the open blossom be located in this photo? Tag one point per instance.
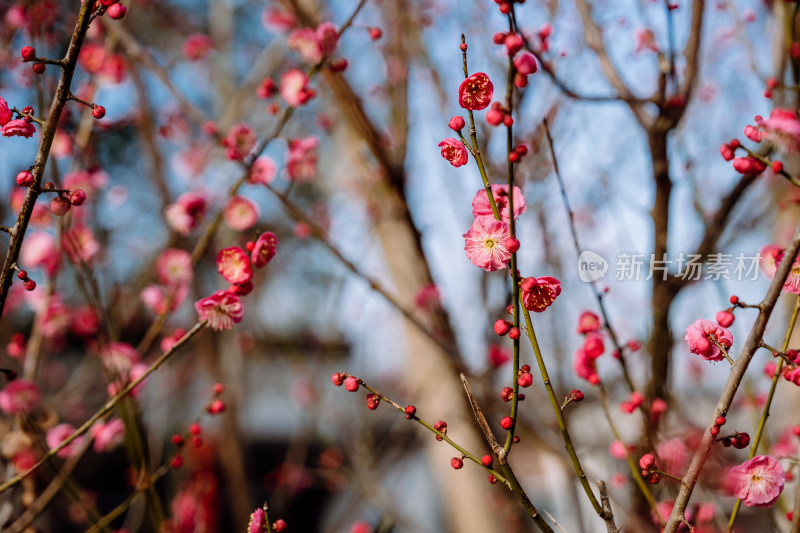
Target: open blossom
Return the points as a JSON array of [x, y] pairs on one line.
[[262, 171], [301, 162], [240, 213], [585, 367], [539, 293], [758, 482], [156, 297], [222, 310], [498, 355], [588, 322], [482, 208], [475, 92], [5, 113], [258, 521], [771, 256], [593, 345], [186, 213], [58, 434], [454, 151], [266, 247], [120, 383], [304, 41], [327, 37], [19, 397], [174, 267], [792, 283], [314, 45], [672, 455], [240, 140], [294, 88], [84, 321], [197, 46], [277, 19], [79, 244], [120, 357], [39, 251], [703, 337], [485, 244], [233, 264], [782, 129], [18, 127], [108, 435]]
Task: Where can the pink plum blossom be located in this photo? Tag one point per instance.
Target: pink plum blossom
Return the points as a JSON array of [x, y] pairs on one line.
[[79, 244], [525, 63], [498, 355], [39, 251], [19, 397], [18, 128], [588, 322], [703, 337], [485, 244], [240, 213], [327, 37], [792, 283], [673, 456], [222, 310], [233, 264], [770, 257], [593, 345], [241, 138], [454, 151], [482, 208], [257, 521], [119, 358], [5, 113], [585, 367], [84, 321], [108, 435], [304, 41], [278, 19], [186, 213], [174, 267], [758, 482], [58, 434], [156, 297], [539, 293], [301, 162], [475, 92], [262, 171], [265, 249], [782, 129], [294, 88], [197, 46]]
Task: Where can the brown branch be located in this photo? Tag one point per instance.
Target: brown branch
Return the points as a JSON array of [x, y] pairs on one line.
[[594, 39], [483, 424], [692, 50], [737, 374], [46, 141]]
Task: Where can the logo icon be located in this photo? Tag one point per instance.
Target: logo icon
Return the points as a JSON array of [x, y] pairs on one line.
[[591, 266]]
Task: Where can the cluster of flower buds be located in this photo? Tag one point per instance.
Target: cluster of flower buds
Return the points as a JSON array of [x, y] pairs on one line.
[[28, 283], [738, 440], [648, 465], [441, 427]]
